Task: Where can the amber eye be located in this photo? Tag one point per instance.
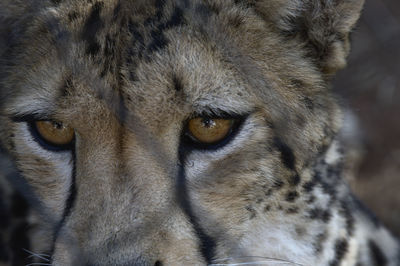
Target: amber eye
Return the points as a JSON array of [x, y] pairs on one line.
[[54, 134], [208, 131]]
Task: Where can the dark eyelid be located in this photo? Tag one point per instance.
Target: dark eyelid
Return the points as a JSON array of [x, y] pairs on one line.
[[30, 118], [219, 114]]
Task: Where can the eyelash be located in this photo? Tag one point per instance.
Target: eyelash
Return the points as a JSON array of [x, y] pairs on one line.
[[29, 118]]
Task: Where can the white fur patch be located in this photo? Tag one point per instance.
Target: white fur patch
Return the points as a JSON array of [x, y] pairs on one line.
[[333, 155]]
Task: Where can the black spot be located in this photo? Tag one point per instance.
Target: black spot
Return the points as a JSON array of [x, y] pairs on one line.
[[341, 247], [300, 120], [19, 207], [308, 186], [277, 184], [109, 55], [291, 196], [11, 142], [292, 210], [93, 48], [178, 86], [268, 192], [311, 199], [116, 11], [133, 30], [137, 44], [333, 171], [286, 153], [377, 255], [245, 3], [320, 214], [66, 86], [122, 110], [308, 103], [297, 83], [158, 263], [73, 15], [326, 188], [158, 41], [270, 124], [236, 21], [346, 212], [159, 4], [294, 180], [267, 208], [109, 46], [203, 11], [251, 211], [298, 26], [92, 26], [176, 19], [321, 238], [206, 10]]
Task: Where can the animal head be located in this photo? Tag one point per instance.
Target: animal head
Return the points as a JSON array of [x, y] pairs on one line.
[[175, 132]]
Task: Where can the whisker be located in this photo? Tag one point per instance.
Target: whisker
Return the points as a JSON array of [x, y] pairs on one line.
[[224, 261], [253, 263], [37, 255], [38, 263]]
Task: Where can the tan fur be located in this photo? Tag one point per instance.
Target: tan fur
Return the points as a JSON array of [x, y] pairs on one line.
[[93, 66]]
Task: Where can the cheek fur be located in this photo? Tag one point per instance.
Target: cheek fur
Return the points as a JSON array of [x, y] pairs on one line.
[[48, 172]]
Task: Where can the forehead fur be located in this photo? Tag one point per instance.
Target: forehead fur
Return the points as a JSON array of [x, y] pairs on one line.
[[223, 48], [164, 61]]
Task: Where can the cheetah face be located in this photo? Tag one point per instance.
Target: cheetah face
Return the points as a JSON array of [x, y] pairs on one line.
[[174, 132]]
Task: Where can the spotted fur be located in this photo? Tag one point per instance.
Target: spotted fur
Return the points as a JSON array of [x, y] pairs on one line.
[[127, 75]]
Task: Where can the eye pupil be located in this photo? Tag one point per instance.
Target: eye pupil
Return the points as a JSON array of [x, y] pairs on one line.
[[208, 122], [57, 125]]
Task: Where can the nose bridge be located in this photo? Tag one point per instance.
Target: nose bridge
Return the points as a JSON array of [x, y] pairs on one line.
[[122, 193], [125, 208]]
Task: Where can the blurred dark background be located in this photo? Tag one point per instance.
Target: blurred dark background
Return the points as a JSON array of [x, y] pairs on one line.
[[370, 88]]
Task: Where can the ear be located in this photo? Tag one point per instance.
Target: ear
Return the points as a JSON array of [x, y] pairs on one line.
[[323, 26]]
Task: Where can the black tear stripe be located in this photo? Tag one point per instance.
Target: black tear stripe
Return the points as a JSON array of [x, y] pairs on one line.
[[68, 205], [207, 243], [286, 153]]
